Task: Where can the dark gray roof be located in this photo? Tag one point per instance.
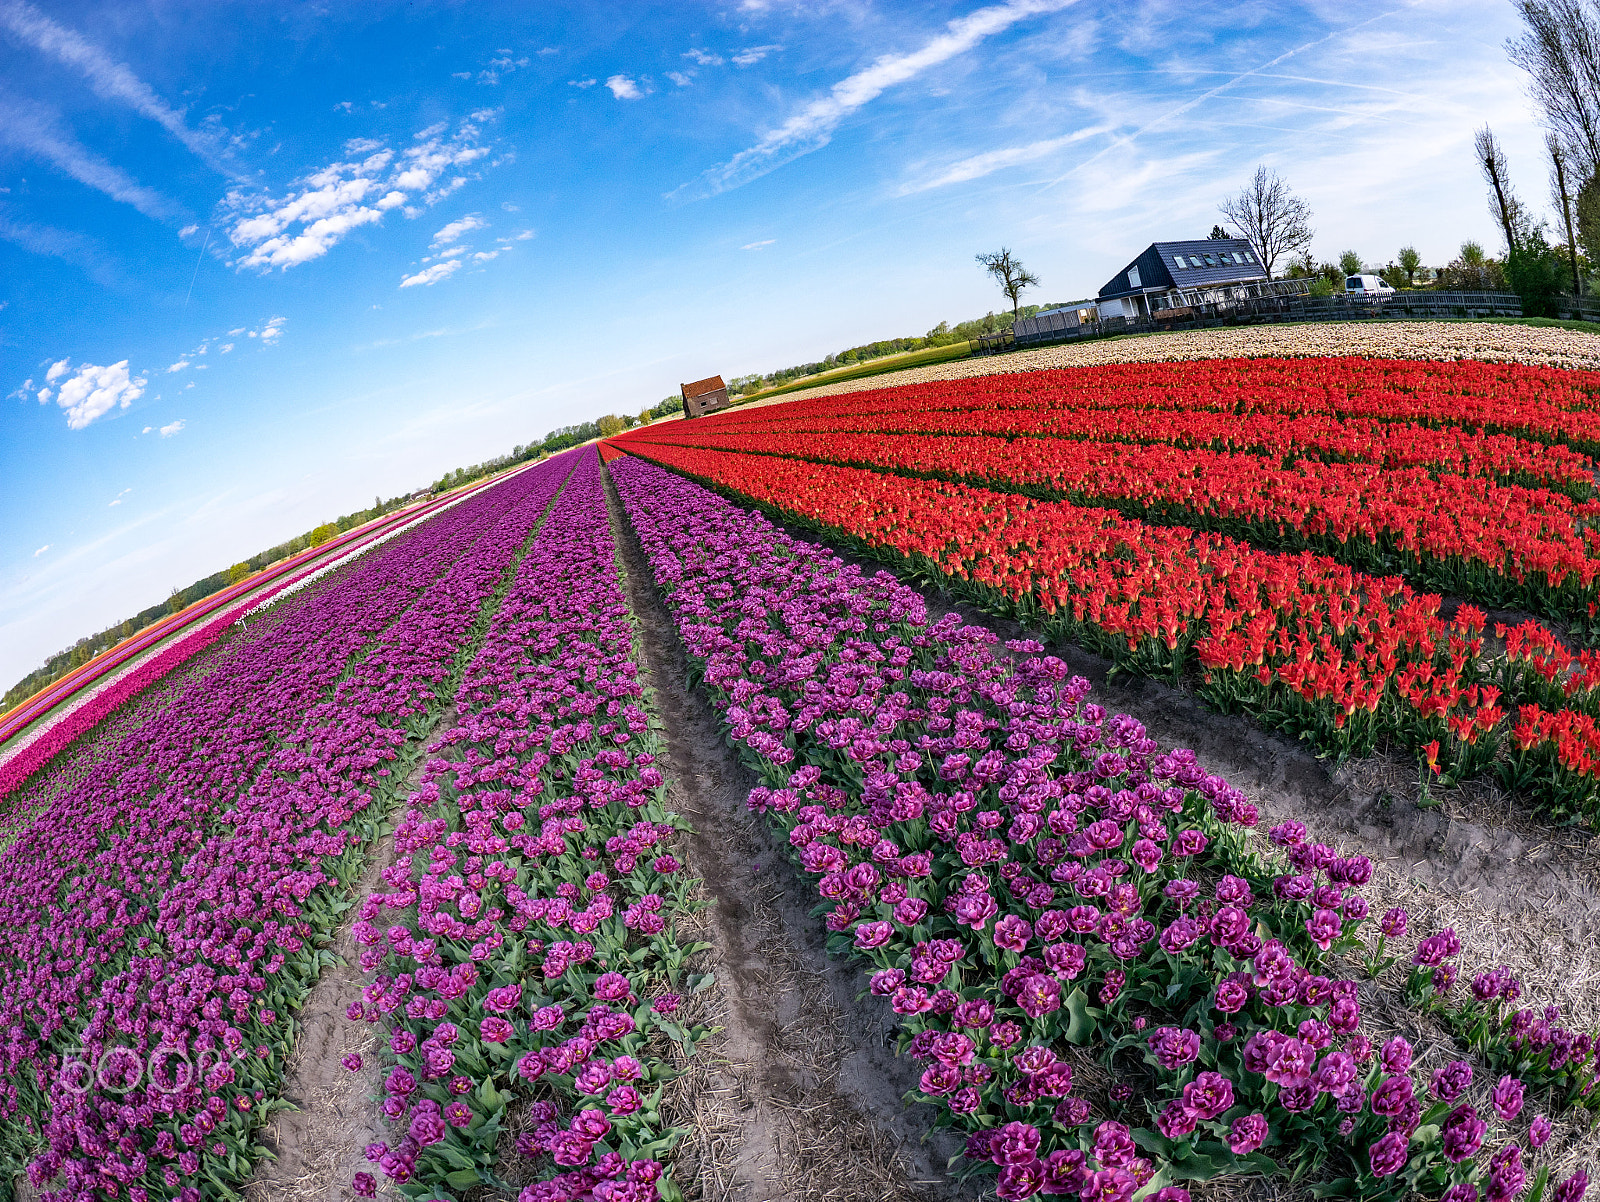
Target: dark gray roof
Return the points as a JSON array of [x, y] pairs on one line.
[[1206, 262]]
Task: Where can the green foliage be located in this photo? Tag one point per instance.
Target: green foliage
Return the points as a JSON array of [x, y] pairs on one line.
[[1536, 272], [1409, 261], [1350, 263], [1321, 287]]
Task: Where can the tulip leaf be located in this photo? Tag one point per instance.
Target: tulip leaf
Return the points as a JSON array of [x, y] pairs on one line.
[[1079, 1025]]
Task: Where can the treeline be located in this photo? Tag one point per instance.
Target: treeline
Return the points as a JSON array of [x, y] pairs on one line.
[[942, 334], [85, 649]]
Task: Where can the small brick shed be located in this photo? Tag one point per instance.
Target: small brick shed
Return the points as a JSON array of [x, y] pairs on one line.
[[704, 396]]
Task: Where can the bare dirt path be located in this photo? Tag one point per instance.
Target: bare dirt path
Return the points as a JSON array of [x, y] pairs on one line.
[[800, 1096], [319, 1147]]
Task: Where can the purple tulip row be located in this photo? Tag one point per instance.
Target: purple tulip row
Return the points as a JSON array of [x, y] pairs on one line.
[[190, 873], [15, 772], [526, 966], [1034, 884]]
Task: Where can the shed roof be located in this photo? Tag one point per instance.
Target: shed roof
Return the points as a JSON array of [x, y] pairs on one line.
[[1196, 263], [701, 387]]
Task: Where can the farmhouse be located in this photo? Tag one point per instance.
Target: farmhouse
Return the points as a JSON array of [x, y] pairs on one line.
[[704, 396], [1176, 276]]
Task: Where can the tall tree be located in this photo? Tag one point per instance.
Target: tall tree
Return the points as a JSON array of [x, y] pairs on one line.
[[1218, 232], [1269, 216], [1010, 274], [1350, 263], [1409, 261], [1503, 204], [1563, 196], [1560, 50]]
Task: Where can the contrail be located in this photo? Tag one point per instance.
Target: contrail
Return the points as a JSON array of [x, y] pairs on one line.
[[197, 263]]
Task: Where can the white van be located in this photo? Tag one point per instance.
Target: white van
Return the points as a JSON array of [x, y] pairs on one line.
[[1366, 283]]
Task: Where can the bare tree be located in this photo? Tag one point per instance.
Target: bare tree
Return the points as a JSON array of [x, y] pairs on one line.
[[1503, 204], [1563, 196], [1560, 51], [1271, 218], [1010, 274]]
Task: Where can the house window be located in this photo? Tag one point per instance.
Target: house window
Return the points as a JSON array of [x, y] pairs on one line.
[[1178, 259], [1211, 261], [1133, 277]]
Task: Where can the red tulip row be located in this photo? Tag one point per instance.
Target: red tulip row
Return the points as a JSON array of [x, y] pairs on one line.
[[1319, 437], [1545, 404], [1301, 642], [1504, 546]]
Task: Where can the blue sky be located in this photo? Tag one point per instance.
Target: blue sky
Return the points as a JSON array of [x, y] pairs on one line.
[[259, 263]]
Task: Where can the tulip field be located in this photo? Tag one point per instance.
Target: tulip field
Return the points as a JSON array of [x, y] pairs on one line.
[[1114, 977]]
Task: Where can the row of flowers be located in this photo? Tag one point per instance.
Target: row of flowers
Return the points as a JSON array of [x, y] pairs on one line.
[[167, 911], [1035, 885], [66, 733], [1504, 546], [1501, 458], [1303, 644], [1542, 404], [525, 960]]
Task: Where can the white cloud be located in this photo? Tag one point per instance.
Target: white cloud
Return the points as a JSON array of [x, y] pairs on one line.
[[41, 550], [119, 498], [337, 199], [581, 83], [109, 79], [704, 58], [94, 391], [224, 348], [272, 331], [57, 370], [483, 256], [432, 275], [624, 88], [147, 429], [812, 127], [178, 366], [461, 75], [681, 78], [187, 230], [548, 50], [172, 428], [44, 396], [979, 165], [524, 235], [751, 55], [455, 229], [34, 129], [235, 333], [758, 245]]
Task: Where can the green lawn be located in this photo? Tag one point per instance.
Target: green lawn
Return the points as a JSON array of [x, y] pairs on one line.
[[872, 367]]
